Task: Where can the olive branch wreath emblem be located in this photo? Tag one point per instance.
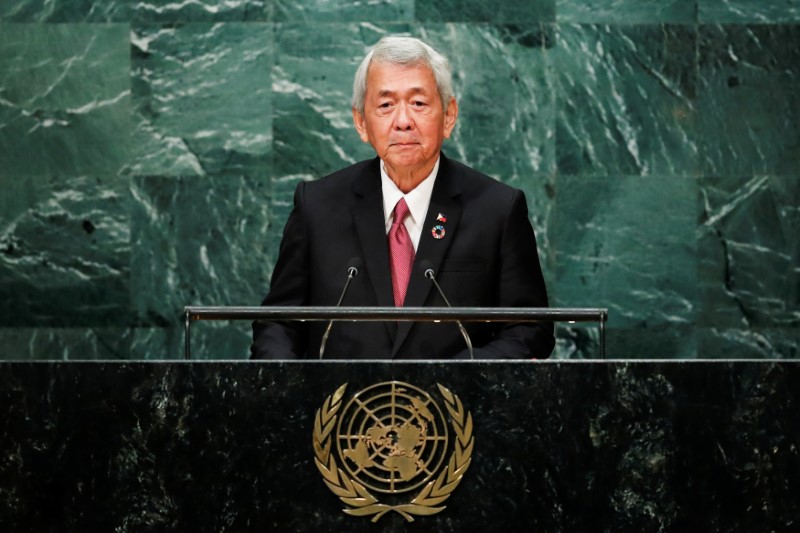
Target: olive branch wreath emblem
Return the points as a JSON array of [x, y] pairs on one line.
[[359, 501]]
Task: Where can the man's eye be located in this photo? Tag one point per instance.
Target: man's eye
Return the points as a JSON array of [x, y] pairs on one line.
[[384, 105]]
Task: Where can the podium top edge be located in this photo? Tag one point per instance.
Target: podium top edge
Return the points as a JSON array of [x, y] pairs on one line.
[[475, 314]]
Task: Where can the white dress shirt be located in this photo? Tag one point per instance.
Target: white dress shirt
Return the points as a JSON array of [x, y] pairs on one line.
[[417, 200]]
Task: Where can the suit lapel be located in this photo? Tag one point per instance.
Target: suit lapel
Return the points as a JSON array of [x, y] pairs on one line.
[[370, 226], [431, 251]]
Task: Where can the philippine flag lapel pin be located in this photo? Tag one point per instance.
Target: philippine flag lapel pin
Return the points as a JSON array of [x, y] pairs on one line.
[[438, 230]]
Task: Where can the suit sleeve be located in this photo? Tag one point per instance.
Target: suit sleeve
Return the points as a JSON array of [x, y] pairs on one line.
[[289, 287], [519, 283]]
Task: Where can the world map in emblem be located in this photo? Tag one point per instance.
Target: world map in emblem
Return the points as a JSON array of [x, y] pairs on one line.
[[392, 437]]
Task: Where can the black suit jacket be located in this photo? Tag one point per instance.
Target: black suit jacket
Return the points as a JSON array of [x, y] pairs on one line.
[[486, 258]]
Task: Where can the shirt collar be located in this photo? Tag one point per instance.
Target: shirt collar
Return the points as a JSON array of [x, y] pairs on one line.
[[418, 199]]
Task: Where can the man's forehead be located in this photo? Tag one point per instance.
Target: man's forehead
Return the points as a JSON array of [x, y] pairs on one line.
[[391, 77]]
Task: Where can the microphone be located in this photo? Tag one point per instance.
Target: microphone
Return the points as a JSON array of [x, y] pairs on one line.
[[431, 275], [352, 271]]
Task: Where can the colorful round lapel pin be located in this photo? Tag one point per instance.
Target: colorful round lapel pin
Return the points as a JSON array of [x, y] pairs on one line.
[[438, 231]]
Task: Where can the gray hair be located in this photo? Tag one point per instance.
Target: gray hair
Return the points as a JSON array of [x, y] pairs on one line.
[[406, 51]]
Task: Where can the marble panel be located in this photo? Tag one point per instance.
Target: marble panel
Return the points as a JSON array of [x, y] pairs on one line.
[[748, 101], [156, 343], [511, 11], [628, 244], [126, 10], [198, 241], [312, 88], [503, 82], [626, 11], [202, 10], [362, 11], [218, 340], [748, 343], [744, 11], [748, 252], [209, 340], [67, 344], [66, 10], [228, 340], [64, 251], [626, 100], [506, 123], [64, 99], [578, 341], [312, 84], [202, 96], [663, 341]]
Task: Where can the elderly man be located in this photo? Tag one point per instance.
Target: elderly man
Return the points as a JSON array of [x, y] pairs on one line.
[[409, 210]]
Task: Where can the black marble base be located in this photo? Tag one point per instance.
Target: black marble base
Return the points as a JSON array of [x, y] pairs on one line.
[[559, 446]]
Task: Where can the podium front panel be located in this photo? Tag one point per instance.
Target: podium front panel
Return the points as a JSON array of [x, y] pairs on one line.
[[543, 446]]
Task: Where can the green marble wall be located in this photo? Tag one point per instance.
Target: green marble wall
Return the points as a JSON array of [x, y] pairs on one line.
[[148, 152]]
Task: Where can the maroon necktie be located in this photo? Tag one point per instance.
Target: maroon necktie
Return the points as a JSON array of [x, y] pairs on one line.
[[401, 252]]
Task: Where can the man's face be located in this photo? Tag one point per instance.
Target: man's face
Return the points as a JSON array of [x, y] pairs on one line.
[[403, 117]]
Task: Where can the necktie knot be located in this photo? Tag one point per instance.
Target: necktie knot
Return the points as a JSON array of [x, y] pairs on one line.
[[400, 212]]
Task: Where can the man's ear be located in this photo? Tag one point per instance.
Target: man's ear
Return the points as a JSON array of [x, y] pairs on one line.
[[450, 116], [361, 125]]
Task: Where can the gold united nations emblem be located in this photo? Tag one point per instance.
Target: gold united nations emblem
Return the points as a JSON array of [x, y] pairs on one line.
[[389, 448]]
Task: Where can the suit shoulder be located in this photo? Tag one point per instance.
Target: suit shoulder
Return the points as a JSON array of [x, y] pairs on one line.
[[337, 184]]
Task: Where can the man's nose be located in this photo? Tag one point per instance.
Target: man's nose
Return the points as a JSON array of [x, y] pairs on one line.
[[402, 118]]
